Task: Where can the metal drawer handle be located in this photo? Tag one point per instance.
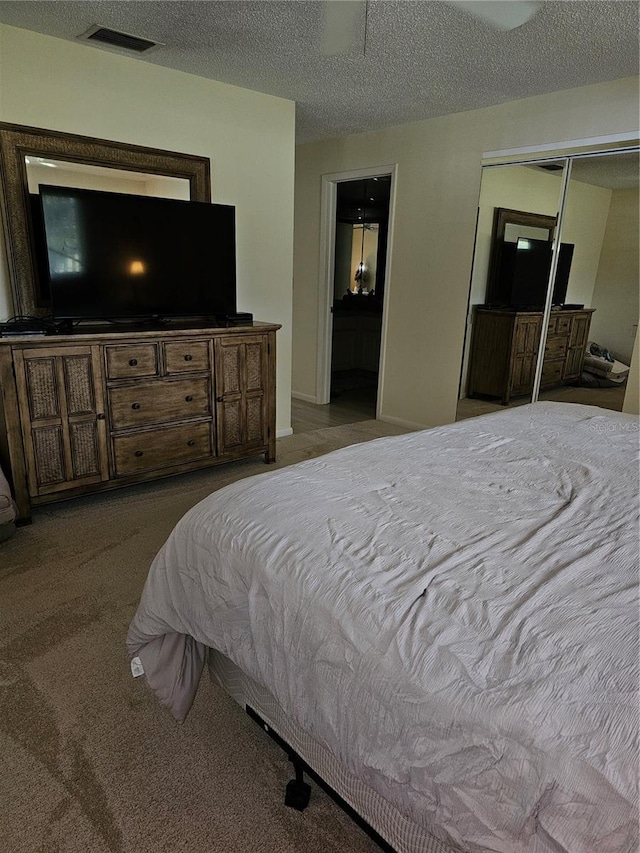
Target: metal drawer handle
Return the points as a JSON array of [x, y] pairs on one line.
[[191, 442], [219, 399], [188, 358], [188, 398], [138, 453], [135, 406], [133, 362], [100, 416]]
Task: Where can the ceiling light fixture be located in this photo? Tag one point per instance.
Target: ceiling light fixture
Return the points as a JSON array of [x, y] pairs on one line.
[[501, 14]]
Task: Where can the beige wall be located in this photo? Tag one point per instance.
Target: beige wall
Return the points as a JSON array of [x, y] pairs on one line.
[[248, 136], [615, 297], [632, 394], [438, 185]]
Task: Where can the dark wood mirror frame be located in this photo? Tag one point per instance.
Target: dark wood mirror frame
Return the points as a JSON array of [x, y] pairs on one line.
[[503, 217], [18, 142]]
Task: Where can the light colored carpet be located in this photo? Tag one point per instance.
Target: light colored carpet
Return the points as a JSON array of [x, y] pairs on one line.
[[90, 763]]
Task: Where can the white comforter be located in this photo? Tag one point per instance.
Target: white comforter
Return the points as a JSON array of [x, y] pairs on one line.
[[452, 612]]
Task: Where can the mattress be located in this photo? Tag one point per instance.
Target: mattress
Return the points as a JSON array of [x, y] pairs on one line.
[[451, 613], [399, 831]]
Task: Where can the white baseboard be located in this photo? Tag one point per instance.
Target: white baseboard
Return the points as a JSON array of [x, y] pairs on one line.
[[388, 419], [306, 398], [282, 433]]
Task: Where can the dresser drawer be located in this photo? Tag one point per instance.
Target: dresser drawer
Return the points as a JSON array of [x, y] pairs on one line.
[[131, 360], [161, 448], [552, 372], [563, 325], [186, 356], [159, 402], [556, 346]]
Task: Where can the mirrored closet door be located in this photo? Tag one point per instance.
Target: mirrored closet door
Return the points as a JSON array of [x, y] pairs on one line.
[[554, 291], [517, 218], [593, 321]]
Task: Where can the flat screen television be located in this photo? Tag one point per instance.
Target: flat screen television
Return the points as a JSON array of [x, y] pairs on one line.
[[524, 274], [112, 256]]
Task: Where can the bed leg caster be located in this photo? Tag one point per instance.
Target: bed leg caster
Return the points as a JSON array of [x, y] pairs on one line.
[[298, 793]]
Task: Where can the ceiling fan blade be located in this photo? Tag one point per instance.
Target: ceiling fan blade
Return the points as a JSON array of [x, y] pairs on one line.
[[502, 14], [344, 27]]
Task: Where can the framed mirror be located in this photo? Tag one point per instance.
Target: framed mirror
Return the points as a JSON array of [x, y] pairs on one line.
[[23, 147], [509, 226]]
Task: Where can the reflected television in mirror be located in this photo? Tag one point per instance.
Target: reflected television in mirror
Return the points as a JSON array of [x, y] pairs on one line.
[[524, 274]]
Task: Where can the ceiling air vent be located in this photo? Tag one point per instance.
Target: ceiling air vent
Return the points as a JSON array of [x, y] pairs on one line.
[[113, 38]]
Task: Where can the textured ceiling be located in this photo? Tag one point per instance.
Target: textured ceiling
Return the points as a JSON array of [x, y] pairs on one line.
[[421, 59], [615, 172]]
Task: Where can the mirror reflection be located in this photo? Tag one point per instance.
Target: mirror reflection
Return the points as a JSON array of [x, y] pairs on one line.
[[602, 220], [359, 276], [47, 171], [361, 231], [594, 313], [518, 205], [63, 173], [79, 163]]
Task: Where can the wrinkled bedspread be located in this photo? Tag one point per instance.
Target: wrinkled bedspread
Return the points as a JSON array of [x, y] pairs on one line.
[[453, 612]]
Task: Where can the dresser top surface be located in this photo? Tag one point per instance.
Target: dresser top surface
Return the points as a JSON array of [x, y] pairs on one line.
[[555, 312], [126, 335]]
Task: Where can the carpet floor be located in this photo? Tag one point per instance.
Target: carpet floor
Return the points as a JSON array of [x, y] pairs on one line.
[[90, 762]]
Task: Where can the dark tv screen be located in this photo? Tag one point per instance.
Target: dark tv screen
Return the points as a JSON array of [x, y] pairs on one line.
[[530, 273], [113, 256]]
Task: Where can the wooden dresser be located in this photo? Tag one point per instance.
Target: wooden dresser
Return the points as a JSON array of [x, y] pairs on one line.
[[505, 344], [81, 413]]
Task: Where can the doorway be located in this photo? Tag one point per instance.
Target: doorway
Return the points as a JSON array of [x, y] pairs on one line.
[[359, 272], [355, 262]]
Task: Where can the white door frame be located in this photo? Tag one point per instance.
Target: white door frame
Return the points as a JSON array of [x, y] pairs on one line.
[[326, 274]]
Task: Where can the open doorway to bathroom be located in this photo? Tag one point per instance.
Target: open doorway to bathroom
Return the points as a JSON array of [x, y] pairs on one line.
[[361, 238]]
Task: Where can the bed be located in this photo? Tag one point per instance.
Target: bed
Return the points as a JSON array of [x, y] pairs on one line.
[[444, 623]]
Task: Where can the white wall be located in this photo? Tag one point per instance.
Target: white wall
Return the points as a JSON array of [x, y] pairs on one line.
[[248, 136], [437, 192]]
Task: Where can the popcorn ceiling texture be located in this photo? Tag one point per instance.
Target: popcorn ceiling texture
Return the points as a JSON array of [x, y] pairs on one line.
[[423, 59]]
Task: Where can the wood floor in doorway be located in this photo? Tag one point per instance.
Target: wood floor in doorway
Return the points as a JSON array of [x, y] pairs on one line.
[[350, 407], [359, 404]]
